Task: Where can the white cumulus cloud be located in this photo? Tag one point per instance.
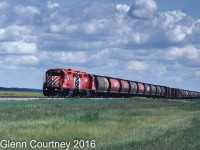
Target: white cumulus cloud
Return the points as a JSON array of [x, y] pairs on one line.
[[197, 73], [106, 38], [189, 51], [14, 32], [26, 10], [65, 57], [3, 5], [55, 28], [19, 60], [123, 7], [144, 9], [18, 47], [137, 65], [52, 5], [177, 25]]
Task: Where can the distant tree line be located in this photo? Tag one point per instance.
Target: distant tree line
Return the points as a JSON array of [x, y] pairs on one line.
[[19, 89]]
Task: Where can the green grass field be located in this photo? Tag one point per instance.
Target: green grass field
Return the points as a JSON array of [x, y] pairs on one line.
[[136, 123], [20, 94]]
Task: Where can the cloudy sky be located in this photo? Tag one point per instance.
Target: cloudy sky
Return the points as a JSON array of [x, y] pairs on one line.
[[153, 41]]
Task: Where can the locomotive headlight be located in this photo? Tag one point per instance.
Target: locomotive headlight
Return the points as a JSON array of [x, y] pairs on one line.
[[46, 89], [55, 89]]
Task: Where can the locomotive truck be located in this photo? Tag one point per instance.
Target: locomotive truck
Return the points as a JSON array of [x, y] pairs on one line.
[[61, 82]]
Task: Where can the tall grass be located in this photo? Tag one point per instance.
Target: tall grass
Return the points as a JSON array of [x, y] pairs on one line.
[[112, 123], [20, 93]]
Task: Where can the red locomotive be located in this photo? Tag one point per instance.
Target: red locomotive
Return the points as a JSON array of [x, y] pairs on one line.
[[69, 83]]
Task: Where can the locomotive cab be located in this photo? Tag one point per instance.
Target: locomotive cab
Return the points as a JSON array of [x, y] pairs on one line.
[[52, 83]]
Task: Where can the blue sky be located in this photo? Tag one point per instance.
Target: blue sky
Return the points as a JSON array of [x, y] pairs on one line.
[[153, 41]]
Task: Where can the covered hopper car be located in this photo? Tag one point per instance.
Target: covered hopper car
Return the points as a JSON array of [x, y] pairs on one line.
[[69, 83]]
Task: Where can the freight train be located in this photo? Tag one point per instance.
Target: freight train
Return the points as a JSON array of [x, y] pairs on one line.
[[70, 83]]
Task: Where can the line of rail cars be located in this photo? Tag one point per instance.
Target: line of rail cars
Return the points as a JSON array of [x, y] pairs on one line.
[[69, 83]]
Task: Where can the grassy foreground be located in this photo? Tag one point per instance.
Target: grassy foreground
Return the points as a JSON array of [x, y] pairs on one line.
[[136, 123], [20, 94]]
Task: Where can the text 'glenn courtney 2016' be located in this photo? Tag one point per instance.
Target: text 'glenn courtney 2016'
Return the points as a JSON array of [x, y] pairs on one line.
[[34, 144], [52, 144]]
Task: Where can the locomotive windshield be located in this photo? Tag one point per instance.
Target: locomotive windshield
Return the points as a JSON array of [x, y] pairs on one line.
[[54, 72]]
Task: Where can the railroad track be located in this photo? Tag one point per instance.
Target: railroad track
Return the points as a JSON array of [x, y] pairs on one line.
[[21, 98], [49, 98]]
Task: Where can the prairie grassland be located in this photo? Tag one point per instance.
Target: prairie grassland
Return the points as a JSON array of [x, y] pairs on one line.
[[135, 123], [20, 93]]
